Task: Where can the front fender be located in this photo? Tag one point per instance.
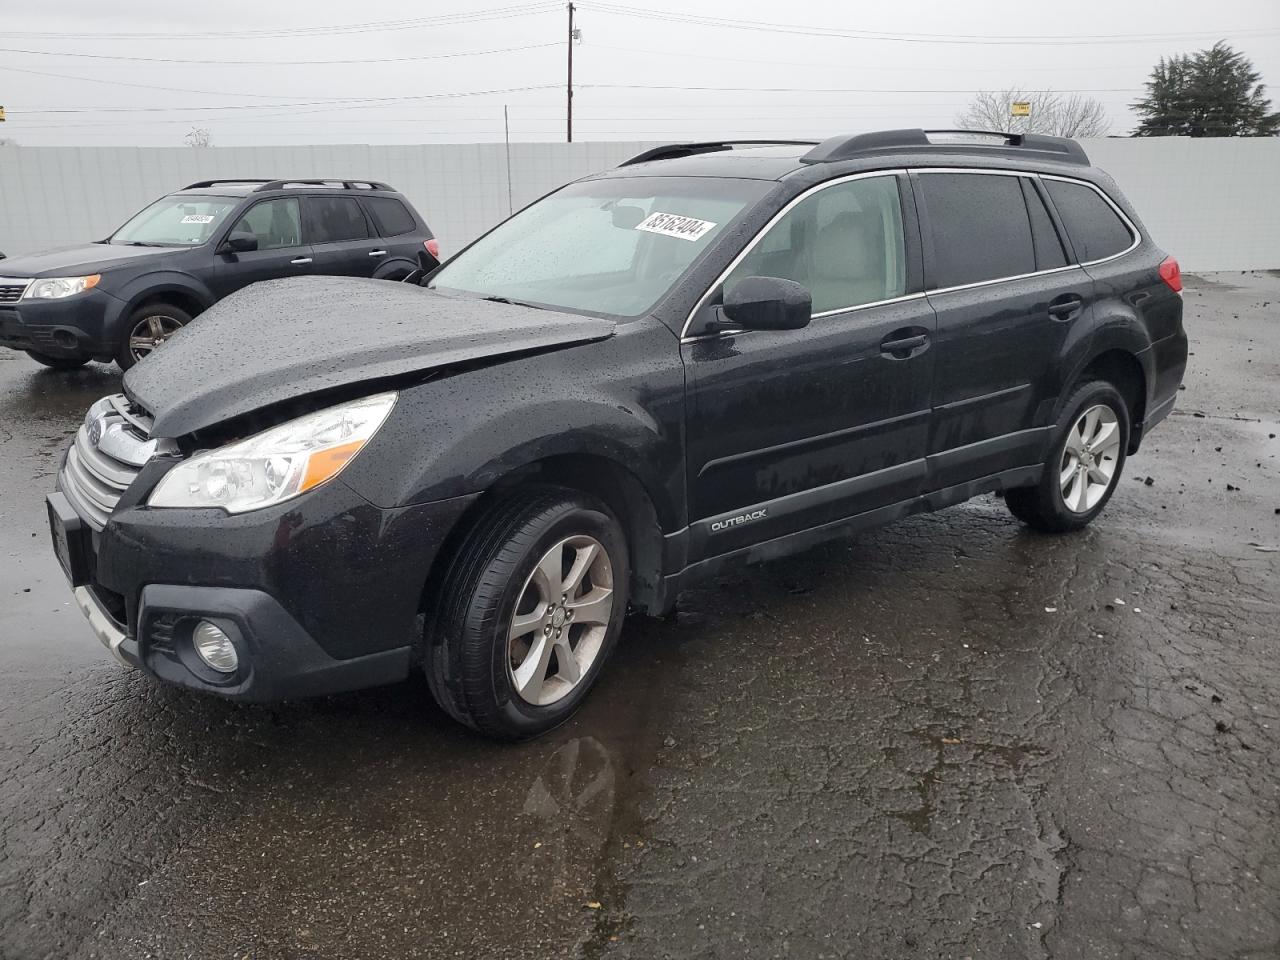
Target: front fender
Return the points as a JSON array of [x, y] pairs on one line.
[[151, 285], [462, 432]]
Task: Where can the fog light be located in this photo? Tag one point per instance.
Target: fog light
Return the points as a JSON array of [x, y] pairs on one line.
[[215, 647]]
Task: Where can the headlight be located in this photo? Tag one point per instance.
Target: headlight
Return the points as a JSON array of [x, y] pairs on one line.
[[276, 464], [55, 288]]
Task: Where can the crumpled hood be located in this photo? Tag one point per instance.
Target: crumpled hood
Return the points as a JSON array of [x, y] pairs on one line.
[[284, 339]]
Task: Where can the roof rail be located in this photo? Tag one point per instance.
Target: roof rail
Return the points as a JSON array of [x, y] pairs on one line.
[[342, 184], [670, 151], [1025, 145], [213, 183]]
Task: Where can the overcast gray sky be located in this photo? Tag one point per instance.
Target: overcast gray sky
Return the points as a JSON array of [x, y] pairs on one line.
[[640, 72]]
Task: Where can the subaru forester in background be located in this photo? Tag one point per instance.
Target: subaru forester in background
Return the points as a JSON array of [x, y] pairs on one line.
[[122, 297], [715, 354]]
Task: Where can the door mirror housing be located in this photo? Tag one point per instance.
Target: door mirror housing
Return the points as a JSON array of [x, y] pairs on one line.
[[768, 303], [242, 241]]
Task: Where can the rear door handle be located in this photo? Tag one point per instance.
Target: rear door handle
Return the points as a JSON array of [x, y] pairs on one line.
[[377, 253], [1066, 307], [904, 348], [300, 260]]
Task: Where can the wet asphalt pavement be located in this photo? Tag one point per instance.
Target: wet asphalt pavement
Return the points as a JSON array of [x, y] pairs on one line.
[[948, 738]]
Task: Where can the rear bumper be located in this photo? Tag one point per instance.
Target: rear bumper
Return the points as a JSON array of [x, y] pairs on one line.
[[78, 326], [1166, 364]]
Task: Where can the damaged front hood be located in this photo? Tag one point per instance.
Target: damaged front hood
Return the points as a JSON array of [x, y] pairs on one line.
[[284, 339]]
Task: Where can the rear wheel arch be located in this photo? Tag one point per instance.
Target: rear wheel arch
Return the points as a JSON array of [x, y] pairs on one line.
[[394, 270], [1123, 370]]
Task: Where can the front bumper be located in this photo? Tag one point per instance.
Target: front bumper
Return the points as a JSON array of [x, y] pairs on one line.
[[77, 326], [320, 595]]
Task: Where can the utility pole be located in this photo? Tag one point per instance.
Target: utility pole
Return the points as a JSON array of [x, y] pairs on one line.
[[569, 83], [506, 135]]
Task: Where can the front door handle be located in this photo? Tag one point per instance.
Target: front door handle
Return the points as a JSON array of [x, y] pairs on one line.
[[904, 348], [1066, 307], [300, 260], [377, 253]]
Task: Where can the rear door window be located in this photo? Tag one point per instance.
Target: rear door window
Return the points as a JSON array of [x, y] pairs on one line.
[[979, 228], [390, 216], [335, 218], [274, 222], [1095, 229]]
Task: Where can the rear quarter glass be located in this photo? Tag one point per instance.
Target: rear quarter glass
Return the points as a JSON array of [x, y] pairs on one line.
[[390, 216], [1095, 229]]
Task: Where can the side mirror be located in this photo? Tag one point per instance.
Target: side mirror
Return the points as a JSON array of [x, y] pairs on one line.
[[768, 303], [240, 242]]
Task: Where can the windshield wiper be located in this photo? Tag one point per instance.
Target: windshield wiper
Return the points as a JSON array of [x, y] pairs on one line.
[[141, 243], [518, 303]]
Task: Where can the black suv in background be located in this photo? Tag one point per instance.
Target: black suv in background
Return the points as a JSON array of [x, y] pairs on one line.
[[120, 298], [706, 357]]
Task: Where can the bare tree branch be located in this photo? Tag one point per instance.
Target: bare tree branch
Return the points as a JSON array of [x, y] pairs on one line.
[[198, 137], [1051, 113]]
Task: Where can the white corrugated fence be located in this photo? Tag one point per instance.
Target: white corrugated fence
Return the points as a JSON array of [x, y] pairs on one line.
[[1214, 203]]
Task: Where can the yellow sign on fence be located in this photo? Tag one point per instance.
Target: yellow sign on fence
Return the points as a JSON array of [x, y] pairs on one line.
[[1020, 108], [1, 114]]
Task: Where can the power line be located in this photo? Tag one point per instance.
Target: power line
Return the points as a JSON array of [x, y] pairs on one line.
[[759, 61], [368, 101], [444, 19], [876, 90], [285, 63], [672, 16], [337, 103]]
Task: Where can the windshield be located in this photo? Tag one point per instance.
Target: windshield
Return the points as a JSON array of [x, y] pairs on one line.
[[613, 246], [176, 222]]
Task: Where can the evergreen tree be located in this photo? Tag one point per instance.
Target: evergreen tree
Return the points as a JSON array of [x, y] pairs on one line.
[[1209, 93]]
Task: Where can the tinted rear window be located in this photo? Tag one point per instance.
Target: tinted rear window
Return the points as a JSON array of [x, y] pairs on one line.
[[1096, 231], [335, 218], [980, 228], [390, 216]]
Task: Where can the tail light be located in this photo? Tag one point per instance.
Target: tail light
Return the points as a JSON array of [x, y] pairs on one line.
[[1171, 274], [433, 248]]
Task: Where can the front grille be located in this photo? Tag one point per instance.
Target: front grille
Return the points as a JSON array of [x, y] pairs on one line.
[[11, 291], [110, 449]]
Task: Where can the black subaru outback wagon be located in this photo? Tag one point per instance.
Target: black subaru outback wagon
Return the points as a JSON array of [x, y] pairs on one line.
[[714, 354], [120, 298]]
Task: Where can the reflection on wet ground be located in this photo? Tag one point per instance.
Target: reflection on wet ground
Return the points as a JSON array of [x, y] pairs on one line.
[[948, 738]]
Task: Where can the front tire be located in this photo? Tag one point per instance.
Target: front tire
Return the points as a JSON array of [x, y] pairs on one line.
[[1084, 468], [147, 329], [57, 363], [529, 613]]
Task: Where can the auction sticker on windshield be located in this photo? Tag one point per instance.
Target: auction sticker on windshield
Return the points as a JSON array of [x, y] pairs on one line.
[[197, 218], [673, 225]]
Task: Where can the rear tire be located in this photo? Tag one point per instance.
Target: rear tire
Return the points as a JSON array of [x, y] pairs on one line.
[[147, 329], [1085, 464], [57, 363], [529, 612]]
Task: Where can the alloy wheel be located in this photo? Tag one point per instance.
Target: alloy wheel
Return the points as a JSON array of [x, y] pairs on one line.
[[560, 620], [150, 332], [1089, 458]]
